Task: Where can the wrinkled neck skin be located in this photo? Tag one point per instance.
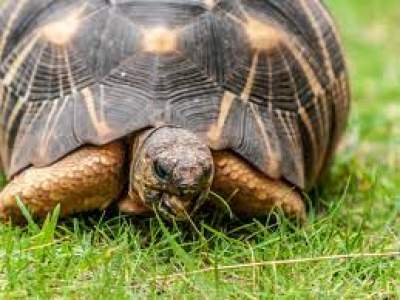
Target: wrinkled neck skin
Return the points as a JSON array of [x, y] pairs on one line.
[[171, 170]]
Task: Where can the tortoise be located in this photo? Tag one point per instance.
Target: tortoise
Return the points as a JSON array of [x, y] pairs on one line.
[[153, 103]]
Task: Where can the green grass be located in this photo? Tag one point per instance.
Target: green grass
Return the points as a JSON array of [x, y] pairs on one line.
[[357, 210]]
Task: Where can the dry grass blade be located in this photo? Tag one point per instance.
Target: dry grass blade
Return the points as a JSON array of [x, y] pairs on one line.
[[274, 263]]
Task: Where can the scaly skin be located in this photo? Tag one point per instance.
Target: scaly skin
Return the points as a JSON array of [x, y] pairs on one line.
[[88, 179], [92, 177], [254, 193]]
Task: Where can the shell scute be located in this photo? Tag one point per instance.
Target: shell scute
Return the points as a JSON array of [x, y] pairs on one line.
[[265, 79]]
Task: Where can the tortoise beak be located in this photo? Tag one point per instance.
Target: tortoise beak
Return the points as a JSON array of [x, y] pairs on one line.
[[180, 208], [174, 207]]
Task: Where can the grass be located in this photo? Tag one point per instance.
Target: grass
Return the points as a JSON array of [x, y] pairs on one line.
[[357, 210]]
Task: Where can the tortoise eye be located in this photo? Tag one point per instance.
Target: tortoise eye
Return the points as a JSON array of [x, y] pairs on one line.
[[161, 170]]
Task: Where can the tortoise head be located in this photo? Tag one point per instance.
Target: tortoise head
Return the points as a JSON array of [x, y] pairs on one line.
[[172, 171]]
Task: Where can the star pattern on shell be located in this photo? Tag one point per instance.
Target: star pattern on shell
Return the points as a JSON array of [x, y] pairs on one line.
[[265, 79]]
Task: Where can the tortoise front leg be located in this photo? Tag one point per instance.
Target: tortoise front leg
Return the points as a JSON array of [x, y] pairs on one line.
[[132, 205], [253, 193], [88, 179]]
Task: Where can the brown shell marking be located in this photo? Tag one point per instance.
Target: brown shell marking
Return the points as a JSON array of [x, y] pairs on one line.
[[210, 4], [262, 35], [99, 123], [58, 33], [61, 32], [160, 40]]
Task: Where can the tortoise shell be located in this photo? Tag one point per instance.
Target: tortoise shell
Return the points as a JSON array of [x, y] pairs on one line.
[[263, 78]]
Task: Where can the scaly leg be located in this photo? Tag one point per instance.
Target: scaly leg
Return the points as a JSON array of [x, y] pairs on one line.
[[87, 179], [132, 205], [256, 194]]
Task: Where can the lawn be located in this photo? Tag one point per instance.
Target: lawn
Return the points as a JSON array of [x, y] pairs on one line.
[[355, 211]]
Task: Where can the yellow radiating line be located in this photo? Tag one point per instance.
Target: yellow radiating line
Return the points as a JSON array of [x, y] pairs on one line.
[[10, 23], [46, 136], [332, 24], [69, 69], [3, 100], [344, 103], [55, 116], [22, 140], [328, 67], [322, 44], [274, 159], [234, 18], [270, 86], [10, 76], [251, 78], [295, 146], [317, 89], [100, 126], [294, 46], [21, 101], [216, 130], [303, 112], [308, 71]]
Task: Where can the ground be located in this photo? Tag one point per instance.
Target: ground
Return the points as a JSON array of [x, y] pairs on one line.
[[356, 210]]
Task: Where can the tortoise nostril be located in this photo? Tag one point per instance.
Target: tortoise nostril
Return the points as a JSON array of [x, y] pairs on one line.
[[192, 178]]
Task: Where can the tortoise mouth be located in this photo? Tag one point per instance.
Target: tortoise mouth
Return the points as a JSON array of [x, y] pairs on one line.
[[172, 207]]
